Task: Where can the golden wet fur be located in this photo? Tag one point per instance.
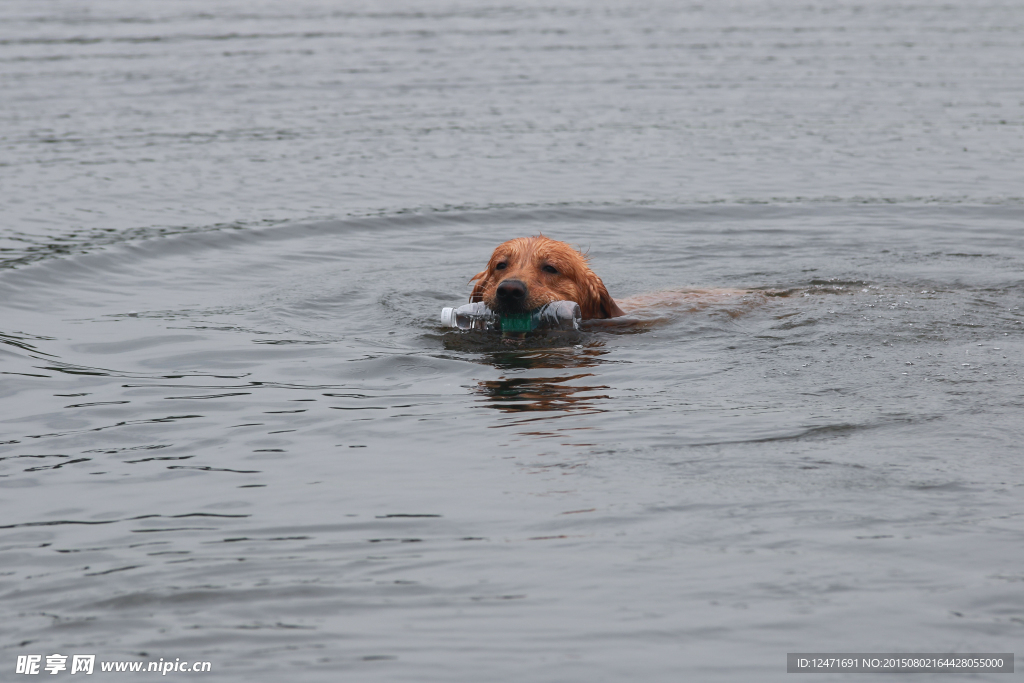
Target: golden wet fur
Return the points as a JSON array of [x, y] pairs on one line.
[[550, 271], [530, 261]]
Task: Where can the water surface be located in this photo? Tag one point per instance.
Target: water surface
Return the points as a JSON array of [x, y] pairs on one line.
[[232, 430]]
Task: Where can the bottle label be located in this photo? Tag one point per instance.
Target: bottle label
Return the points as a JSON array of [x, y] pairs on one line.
[[518, 323]]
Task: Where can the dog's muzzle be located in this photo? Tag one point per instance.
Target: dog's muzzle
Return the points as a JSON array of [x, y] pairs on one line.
[[510, 296]]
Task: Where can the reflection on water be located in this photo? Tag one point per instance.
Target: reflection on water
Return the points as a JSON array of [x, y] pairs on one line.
[[518, 394], [546, 393], [557, 359]]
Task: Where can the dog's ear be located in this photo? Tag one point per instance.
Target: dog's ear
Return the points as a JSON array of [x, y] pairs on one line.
[[598, 303], [608, 305], [478, 289]]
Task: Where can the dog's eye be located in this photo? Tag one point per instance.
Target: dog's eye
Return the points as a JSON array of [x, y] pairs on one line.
[[551, 269], [501, 266]]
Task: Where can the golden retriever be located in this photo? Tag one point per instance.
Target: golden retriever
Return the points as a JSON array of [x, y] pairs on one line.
[[526, 273]]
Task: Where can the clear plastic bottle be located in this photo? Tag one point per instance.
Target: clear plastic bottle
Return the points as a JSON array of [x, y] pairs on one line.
[[557, 315], [469, 317]]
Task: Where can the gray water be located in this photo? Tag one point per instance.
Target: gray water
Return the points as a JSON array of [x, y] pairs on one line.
[[231, 429]]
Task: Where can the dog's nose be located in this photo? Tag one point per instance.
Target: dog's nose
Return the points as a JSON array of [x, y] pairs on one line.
[[511, 292]]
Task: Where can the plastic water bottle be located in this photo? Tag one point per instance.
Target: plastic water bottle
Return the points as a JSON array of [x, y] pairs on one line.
[[557, 315], [469, 317]]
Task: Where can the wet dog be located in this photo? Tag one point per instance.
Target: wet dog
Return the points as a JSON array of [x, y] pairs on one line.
[[526, 273]]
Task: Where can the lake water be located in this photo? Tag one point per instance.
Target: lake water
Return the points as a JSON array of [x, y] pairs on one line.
[[232, 430]]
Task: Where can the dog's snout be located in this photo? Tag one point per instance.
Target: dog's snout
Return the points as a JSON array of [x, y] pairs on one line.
[[512, 292]]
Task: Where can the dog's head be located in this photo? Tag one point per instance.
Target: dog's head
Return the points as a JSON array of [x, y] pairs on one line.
[[526, 273]]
